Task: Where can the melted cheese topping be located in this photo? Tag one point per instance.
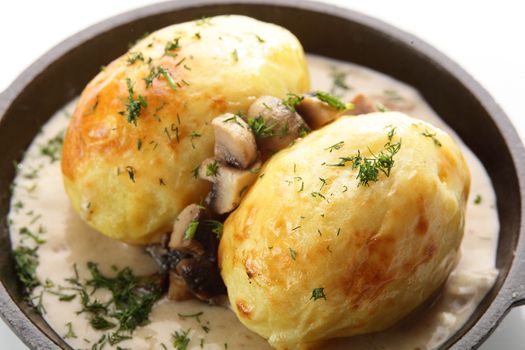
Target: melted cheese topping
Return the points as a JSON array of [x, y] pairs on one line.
[[40, 204]]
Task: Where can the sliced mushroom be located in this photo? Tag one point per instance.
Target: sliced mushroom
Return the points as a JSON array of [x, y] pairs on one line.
[[363, 105], [178, 289], [202, 277], [275, 126], [209, 169], [317, 113], [184, 229], [229, 186], [234, 141]]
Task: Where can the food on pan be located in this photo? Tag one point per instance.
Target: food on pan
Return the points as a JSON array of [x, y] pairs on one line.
[[145, 118], [240, 208], [315, 251]]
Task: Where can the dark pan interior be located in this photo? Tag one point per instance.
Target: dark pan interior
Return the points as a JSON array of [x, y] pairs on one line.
[[355, 38]]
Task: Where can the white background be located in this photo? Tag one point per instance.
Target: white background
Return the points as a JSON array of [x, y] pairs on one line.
[[485, 37]]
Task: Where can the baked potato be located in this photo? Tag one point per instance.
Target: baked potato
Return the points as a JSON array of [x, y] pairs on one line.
[[347, 231], [141, 126]]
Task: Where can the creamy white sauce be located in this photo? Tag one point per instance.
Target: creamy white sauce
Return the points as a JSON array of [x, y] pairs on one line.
[[70, 241]]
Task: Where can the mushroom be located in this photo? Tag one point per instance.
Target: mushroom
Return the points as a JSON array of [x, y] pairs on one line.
[[202, 277], [209, 169], [363, 105], [234, 141], [178, 289], [275, 125], [316, 112], [185, 228], [229, 186]]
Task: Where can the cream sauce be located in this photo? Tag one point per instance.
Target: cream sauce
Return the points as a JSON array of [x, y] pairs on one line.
[[68, 241]]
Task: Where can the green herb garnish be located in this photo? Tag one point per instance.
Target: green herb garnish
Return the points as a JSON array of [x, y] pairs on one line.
[[172, 45], [293, 253], [26, 262], [370, 167], [259, 127], [131, 172], [292, 100], [180, 339], [53, 147], [216, 227], [133, 106], [335, 146], [477, 199], [212, 168], [318, 293], [191, 230], [432, 136], [166, 74], [70, 333], [332, 101], [134, 57]]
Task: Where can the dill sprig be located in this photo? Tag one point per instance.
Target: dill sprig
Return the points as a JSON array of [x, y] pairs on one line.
[[134, 57], [432, 135], [131, 302], [369, 168], [133, 106], [259, 127], [292, 100], [180, 339], [26, 263], [332, 101], [53, 147], [212, 168]]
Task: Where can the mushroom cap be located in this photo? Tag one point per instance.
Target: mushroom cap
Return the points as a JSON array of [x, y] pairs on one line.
[[283, 125], [113, 168], [375, 252]]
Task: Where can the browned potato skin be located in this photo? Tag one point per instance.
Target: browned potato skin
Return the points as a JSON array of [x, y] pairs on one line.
[[378, 251], [225, 68]]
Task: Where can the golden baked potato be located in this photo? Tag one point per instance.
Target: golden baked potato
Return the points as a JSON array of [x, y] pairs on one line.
[[142, 124], [319, 249]]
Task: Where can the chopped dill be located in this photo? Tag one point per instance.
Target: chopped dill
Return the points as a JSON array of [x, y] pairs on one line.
[[478, 199], [432, 135], [293, 253], [332, 100], [53, 147], [26, 263], [292, 100], [335, 146], [212, 168], [166, 74], [259, 127], [131, 172], [134, 57], [369, 168], [318, 293], [70, 332], [172, 45], [191, 230], [180, 339], [133, 106]]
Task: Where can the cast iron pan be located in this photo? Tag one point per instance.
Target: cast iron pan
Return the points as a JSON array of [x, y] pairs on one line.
[[62, 73]]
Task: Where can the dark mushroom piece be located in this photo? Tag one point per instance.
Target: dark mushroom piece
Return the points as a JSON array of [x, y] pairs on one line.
[[178, 288], [234, 141], [275, 125], [320, 108], [202, 276], [229, 186]]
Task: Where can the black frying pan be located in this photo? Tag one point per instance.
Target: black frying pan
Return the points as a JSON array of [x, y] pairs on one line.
[[63, 72]]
